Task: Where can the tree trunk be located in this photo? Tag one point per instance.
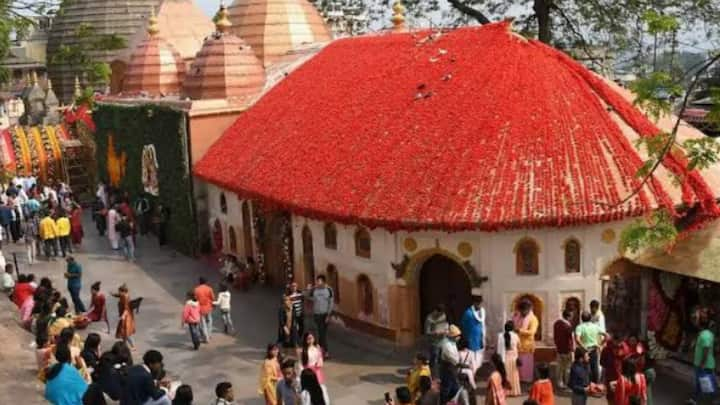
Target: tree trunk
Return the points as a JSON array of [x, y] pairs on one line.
[[542, 13]]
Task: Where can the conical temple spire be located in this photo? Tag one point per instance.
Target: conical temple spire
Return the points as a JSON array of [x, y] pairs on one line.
[[398, 17], [78, 91], [222, 22], [153, 27]]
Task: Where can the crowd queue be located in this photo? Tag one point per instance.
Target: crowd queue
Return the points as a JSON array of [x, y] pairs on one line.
[[590, 361]]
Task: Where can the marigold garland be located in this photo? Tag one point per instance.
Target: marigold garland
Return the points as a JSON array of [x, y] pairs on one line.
[[55, 146], [42, 159], [473, 130], [24, 147]]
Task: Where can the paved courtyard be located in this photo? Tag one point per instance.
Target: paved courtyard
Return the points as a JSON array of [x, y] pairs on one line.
[[359, 372]]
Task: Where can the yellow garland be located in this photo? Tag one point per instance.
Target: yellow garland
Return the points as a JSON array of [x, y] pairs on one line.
[[24, 151], [55, 145], [41, 155]]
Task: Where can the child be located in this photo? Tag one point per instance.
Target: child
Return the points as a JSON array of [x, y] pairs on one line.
[[420, 368], [224, 394], [542, 389], [580, 377], [191, 318], [223, 302]]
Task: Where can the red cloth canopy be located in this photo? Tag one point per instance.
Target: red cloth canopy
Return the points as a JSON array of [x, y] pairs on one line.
[[472, 129]]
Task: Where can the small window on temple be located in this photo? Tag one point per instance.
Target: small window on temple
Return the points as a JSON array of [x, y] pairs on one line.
[[334, 282], [362, 243], [330, 236], [233, 239], [572, 256], [223, 203], [526, 257]]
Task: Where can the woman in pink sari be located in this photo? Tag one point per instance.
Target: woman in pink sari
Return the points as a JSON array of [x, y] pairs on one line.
[[497, 383], [526, 326]]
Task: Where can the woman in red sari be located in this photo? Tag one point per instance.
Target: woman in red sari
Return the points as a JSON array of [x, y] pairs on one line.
[[98, 310], [630, 383], [126, 324], [76, 228]]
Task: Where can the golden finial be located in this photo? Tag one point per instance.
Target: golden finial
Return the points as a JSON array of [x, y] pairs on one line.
[[153, 28], [78, 91], [398, 18], [222, 23], [49, 84], [34, 78]]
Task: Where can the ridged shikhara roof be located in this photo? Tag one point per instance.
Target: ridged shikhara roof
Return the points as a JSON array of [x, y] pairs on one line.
[[473, 129], [155, 67], [274, 28]]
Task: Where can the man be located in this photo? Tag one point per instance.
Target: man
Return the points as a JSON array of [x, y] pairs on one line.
[[140, 387], [563, 337], [74, 283], [589, 337], [704, 360], [286, 389], [597, 315], [6, 217], [31, 230], [473, 328], [205, 296], [402, 396], [448, 363], [298, 305], [48, 235], [224, 394], [124, 229], [62, 224], [143, 213], [322, 297], [436, 327]]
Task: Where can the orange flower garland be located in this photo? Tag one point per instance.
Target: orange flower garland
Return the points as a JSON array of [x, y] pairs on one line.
[[55, 147], [42, 159], [25, 156]]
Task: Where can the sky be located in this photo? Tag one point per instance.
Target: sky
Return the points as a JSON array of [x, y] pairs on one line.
[[210, 6]]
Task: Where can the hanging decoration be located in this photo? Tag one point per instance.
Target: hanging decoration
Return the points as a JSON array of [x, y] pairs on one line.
[[287, 260], [258, 223], [150, 170], [116, 163]]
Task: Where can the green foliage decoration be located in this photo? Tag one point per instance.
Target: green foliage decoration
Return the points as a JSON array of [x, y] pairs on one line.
[[133, 127]]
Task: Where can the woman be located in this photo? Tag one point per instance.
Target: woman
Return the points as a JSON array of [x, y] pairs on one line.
[[270, 374], [64, 384], [99, 216], [76, 228], [314, 354], [98, 310], [507, 348], [69, 338], [631, 383], [126, 324], [526, 326], [183, 395], [91, 351], [288, 329], [113, 217], [428, 396], [497, 383], [311, 391]]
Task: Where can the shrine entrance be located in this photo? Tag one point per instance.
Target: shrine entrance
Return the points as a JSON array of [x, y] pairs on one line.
[[443, 281], [277, 247], [622, 297]]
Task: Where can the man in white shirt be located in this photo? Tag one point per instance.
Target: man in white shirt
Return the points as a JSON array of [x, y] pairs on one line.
[[597, 315], [8, 282], [449, 359]]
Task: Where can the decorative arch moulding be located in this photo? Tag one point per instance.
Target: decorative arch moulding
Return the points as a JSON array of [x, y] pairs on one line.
[[403, 270]]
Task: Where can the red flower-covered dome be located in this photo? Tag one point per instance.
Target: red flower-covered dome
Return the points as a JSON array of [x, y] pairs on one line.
[[225, 67], [473, 129], [155, 67]]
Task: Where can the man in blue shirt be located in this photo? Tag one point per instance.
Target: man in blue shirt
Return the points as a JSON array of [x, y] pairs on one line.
[[74, 283]]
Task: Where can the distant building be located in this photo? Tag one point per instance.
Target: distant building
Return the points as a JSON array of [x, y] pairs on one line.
[[27, 55]]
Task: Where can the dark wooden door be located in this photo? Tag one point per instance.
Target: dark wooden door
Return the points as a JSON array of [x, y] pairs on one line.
[[276, 233], [443, 281]]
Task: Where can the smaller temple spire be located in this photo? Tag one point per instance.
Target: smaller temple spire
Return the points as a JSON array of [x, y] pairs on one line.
[[34, 78], [153, 27], [398, 17], [49, 84], [78, 90], [222, 22]]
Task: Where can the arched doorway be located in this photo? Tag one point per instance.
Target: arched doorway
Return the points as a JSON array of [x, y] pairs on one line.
[[443, 281], [308, 255], [217, 236], [622, 296], [278, 261]]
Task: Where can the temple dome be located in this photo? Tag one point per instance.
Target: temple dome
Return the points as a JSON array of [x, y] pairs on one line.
[[155, 67], [274, 28], [225, 67], [182, 23], [471, 129]]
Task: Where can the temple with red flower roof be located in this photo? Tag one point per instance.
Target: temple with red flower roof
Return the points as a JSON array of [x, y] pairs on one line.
[[417, 168]]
